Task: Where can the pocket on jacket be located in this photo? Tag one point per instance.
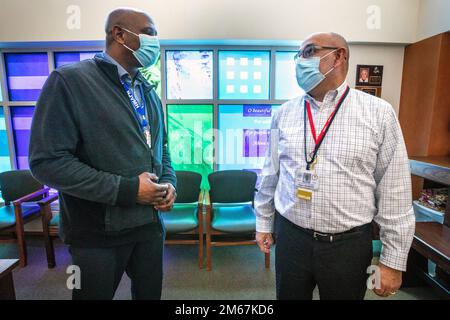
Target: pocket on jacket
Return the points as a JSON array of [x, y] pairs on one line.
[[118, 218]]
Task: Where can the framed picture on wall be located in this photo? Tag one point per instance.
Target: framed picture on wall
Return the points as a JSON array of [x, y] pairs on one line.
[[375, 91], [369, 75]]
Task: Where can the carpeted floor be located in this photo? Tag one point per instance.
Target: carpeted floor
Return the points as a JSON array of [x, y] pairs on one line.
[[238, 273]]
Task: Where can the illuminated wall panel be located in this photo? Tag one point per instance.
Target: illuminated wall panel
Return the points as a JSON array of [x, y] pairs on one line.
[[26, 74], [5, 164], [21, 123], [189, 74], [63, 58], [286, 86], [244, 135], [191, 138], [244, 74]]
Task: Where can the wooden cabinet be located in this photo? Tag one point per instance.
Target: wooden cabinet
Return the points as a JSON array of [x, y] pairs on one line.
[[424, 112], [425, 120]]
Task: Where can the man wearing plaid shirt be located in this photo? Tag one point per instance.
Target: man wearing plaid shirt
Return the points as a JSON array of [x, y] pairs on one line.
[[328, 185]]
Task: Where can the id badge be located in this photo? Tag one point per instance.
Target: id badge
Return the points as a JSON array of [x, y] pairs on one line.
[[148, 137], [307, 181]]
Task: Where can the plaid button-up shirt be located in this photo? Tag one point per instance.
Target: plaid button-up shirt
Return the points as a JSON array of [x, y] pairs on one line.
[[362, 165]]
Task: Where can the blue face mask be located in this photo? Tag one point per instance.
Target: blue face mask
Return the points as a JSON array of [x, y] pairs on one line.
[[308, 73], [149, 50]]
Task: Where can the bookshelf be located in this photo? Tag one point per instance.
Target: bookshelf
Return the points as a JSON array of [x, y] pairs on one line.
[[432, 239]]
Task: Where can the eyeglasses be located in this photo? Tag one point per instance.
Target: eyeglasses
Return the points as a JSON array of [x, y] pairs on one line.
[[310, 50]]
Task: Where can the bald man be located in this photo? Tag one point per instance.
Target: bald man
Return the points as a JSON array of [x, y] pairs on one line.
[[98, 138], [337, 161]]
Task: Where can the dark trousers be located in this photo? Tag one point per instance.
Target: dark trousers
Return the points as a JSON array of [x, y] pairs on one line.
[[337, 268], [102, 268]]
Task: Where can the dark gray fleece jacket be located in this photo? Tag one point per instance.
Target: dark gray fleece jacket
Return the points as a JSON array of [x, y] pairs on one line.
[[87, 144]]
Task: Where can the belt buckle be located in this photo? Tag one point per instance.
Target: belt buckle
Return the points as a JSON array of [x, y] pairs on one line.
[[316, 234]]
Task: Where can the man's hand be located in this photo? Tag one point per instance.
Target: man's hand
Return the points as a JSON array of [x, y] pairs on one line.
[[264, 241], [150, 192], [391, 280], [167, 203]]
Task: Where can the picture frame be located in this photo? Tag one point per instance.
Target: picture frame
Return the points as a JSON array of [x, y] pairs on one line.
[[374, 91], [369, 75]]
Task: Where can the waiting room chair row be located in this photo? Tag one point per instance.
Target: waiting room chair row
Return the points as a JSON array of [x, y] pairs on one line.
[[227, 210]]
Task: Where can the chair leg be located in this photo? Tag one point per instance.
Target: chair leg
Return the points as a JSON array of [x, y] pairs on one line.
[[46, 215], [200, 252], [200, 243], [50, 251], [208, 252], [267, 260], [21, 244], [208, 238]]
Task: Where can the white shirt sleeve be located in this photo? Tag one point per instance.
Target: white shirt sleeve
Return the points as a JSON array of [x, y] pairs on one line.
[[395, 214], [264, 199]]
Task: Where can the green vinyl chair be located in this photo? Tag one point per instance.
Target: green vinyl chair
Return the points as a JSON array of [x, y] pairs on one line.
[[21, 193], [184, 223], [230, 217]]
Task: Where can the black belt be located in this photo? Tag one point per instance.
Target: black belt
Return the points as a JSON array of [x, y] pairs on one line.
[[332, 237]]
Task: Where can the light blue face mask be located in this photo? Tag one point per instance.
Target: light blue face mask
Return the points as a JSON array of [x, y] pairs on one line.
[[308, 73], [149, 50]]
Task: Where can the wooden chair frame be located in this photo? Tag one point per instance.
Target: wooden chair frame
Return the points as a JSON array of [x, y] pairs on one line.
[[49, 232], [16, 233]]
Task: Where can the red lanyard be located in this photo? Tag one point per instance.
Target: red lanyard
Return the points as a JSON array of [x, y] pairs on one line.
[[317, 140]]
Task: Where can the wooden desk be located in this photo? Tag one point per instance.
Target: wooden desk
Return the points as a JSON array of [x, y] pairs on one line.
[[7, 291]]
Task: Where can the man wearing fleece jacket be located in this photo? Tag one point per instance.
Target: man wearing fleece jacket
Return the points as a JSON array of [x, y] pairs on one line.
[[98, 137]]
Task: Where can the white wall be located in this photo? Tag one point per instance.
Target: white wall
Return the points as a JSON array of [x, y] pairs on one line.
[[45, 20], [391, 57], [434, 18]]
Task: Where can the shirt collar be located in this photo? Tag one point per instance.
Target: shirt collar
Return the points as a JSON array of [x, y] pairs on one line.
[[123, 74], [330, 96]]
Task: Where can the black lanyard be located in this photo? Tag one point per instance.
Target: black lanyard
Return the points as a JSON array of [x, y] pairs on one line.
[[319, 142]]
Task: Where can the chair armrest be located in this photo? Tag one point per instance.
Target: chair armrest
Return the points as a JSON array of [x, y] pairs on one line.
[[201, 196], [206, 199], [207, 204], [200, 199], [30, 196], [46, 201]]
